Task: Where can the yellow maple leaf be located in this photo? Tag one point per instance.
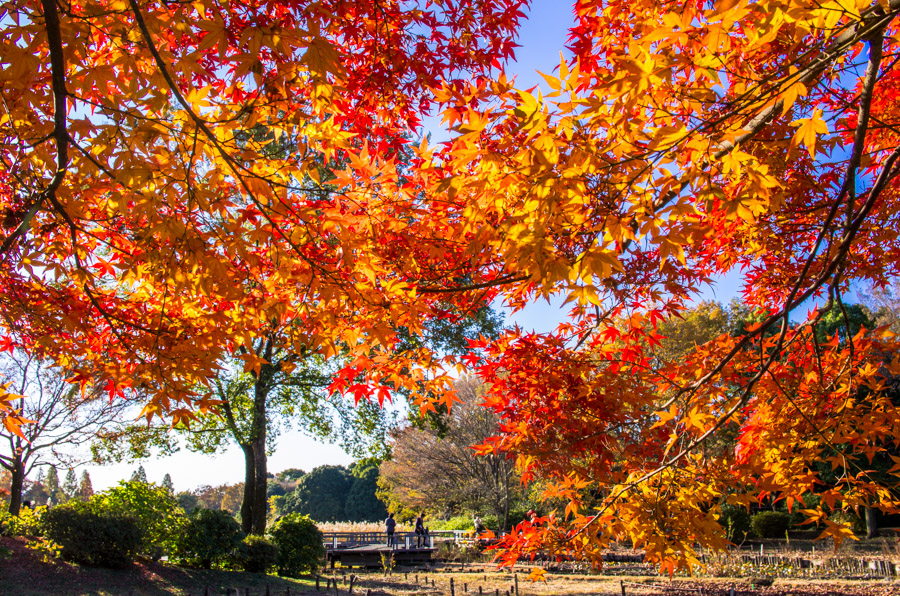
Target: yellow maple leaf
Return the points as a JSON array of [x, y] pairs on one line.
[[537, 575], [807, 129]]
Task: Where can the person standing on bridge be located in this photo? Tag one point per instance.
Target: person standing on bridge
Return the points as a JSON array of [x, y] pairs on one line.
[[421, 539], [390, 524]]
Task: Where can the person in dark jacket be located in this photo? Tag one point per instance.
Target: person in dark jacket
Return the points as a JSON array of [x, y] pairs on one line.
[[421, 539], [390, 524]]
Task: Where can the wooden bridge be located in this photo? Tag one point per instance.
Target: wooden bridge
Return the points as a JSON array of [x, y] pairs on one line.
[[371, 549]]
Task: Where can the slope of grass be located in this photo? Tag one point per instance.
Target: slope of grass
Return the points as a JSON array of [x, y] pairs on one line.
[[24, 573]]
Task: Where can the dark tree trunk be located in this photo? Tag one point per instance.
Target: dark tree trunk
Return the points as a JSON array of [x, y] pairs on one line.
[[871, 523], [249, 486], [255, 505], [17, 484], [260, 503], [258, 444], [254, 508]]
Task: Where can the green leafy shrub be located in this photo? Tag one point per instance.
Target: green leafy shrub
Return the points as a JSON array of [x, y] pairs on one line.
[[490, 522], [299, 544], [735, 521], [770, 524], [207, 537], [89, 537], [458, 522], [27, 523], [256, 554], [156, 511]]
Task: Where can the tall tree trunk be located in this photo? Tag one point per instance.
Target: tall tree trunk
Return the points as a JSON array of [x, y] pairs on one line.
[[260, 503], [16, 487], [256, 489], [254, 506], [871, 523], [249, 486]]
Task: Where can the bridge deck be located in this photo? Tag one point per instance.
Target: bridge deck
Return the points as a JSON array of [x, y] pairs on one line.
[[374, 556]]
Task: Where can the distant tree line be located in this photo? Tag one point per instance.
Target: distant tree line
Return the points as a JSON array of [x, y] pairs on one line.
[[329, 493]]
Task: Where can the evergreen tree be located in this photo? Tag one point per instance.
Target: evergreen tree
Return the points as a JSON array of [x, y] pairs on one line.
[[140, 475], [54, 493], [70, 486], [85, 489], [321, 494], [167, 484], [362, 503]]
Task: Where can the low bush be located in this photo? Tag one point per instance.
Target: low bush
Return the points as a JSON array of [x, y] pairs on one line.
[[256, 554], [299, 544], [770, 524], [27, 523], [207, 537], [90, 537]]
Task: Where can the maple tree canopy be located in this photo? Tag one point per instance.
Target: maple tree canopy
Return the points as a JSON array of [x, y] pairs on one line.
[[680, 143], [180, 178]]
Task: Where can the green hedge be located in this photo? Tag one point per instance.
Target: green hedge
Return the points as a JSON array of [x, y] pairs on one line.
[[89, 537]]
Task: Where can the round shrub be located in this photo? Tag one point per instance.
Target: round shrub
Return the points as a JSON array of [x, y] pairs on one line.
[[770, 524], [207, 537], [91, 537], [299, 542], [156, 511], [256, 554]]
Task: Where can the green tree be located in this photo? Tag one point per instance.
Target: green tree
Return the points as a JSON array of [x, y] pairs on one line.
[[85, 488], [275, 489], [844, 321], [187, 500], [362, 502], [321, 494], [140, 475], [36, 491], [167, 484], [290, 475], [54, 492], [70, 485]]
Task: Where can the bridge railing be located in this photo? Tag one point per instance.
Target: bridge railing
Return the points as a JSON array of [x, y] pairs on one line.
[[407, 540]]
